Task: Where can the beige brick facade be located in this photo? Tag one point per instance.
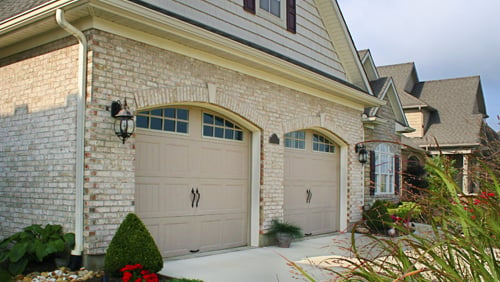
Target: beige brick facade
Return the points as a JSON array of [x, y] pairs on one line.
[[37, 128], [148, 77]]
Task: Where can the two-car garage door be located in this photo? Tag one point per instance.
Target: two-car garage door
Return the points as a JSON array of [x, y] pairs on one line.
[[192, 180]]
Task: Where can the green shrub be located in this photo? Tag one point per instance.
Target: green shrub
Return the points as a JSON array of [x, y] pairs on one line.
[[132, 244], [377, 218], [32, 245], [278, 226], [406, 210]]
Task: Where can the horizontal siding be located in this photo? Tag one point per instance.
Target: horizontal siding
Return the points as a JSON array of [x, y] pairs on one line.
[[310, 45], [415, 121]]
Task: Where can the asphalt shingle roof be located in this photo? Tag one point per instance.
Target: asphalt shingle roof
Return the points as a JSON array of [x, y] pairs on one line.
[[456, 120], [10, 8], [456, 106]]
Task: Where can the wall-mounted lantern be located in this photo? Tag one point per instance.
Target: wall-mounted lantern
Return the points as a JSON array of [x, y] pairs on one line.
[[362, 153], [124, 120]]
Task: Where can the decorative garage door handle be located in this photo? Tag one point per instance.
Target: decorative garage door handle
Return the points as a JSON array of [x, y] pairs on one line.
[[199, 195], [309, 196], [194, 197]]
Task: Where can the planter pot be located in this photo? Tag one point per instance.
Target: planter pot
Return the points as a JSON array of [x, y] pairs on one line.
[[284, 240]]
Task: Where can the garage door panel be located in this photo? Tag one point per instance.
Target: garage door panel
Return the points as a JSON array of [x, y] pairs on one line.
[[317, 172], [149, 164], [175, 159], [223, 199], [169, 166], [295, 196], [220, 162]]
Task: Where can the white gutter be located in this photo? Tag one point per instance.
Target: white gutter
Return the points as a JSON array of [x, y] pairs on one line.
[[80, 128]]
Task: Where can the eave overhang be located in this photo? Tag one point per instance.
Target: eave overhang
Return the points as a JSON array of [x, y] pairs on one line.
[[131, 20]]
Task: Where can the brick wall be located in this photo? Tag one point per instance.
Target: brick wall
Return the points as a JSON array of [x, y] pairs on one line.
[[152, 77], [122, 68], [37, 144]]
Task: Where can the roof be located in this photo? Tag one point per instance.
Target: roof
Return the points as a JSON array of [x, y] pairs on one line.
[[456, 106], [401, 74], [11, 8], [456, 119]]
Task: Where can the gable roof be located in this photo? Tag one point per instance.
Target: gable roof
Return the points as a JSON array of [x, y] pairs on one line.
[[401, 75], [459, 114], [384, 89]]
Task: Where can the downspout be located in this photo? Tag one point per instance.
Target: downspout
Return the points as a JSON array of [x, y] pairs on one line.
[[76, 253]]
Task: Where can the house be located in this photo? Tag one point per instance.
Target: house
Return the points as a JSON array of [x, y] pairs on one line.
[[448, 115], [384, 127], [244, 112]]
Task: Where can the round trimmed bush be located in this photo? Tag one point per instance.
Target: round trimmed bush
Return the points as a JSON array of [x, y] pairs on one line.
[[132, 244]]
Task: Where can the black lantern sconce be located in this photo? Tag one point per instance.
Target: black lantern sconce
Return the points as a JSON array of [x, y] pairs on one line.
[[124, 120], [362, 153]]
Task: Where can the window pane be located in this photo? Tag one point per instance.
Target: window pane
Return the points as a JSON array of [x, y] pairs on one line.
[[142, 121], [264, 4], [208, 131], [182, 114], [275, 7], [219, 121], [315, 147], [169, 125], [208, 119], [219, 132], [156, 112], [239, 135], [182, 127], [143, 113], [155, 123], [169, 112], [229, 134]]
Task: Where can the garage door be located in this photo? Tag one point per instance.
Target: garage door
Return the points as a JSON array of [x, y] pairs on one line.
[[311, 182], [192, 180]]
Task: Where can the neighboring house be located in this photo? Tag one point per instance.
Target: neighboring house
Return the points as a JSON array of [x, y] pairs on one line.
[[245, 112], [384, 126], [448, 115]]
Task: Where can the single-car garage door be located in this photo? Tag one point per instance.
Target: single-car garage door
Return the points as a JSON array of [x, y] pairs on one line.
[[192, 180], [311, 182]]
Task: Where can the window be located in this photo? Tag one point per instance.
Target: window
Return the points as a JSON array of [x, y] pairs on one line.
[[283, 10], [296, 140], [271, 6], [322, 144], [166, 119], [218, 127], [384, 169]]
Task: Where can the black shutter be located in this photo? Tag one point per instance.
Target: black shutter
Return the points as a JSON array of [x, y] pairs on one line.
[[249, 6], [373, 185], [397, 175], [291, 16]]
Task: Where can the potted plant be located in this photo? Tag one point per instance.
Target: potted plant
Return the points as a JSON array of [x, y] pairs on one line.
[[284, 232]]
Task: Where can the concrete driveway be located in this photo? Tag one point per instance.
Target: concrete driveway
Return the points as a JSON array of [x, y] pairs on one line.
[[265, 264]]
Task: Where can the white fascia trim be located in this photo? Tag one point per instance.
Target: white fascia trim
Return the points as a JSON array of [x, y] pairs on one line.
[[33, 15], [354, 53]]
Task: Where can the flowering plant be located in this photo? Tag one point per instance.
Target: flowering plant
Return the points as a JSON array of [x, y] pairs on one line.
[[136, 273]]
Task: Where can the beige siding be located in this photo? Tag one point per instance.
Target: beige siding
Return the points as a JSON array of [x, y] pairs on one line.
[[311, 44], [415, 120]]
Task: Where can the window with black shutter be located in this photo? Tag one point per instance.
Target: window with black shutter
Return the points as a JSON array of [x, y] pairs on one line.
[[291, 16], [249, 6]]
